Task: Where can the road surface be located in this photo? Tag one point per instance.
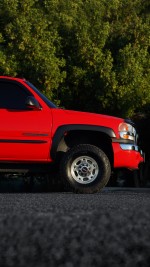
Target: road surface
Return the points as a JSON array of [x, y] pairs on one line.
[[111, 228]]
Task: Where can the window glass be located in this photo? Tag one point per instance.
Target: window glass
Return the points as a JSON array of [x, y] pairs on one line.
[[44, 98], [12, 96]]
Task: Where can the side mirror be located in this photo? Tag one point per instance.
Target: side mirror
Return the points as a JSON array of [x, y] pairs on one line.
[[32, 103]]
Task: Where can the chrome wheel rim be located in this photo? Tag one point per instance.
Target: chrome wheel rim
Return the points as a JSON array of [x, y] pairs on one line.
[[84, 170]]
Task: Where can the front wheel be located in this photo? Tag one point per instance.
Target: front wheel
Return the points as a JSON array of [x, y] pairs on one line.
[[85, 168]]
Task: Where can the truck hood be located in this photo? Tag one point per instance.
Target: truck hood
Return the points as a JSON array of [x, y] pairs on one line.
[[64, 117]]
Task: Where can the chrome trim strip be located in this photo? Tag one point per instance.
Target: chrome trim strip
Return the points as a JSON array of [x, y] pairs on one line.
[[129, 147]]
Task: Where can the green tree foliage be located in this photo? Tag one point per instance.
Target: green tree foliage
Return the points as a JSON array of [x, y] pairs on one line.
[[85, 54], [29, 44]]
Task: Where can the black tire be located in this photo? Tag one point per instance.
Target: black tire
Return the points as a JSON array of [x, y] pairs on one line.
[[85, 169]]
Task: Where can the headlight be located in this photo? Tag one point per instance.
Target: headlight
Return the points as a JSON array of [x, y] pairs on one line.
[[127, 131]]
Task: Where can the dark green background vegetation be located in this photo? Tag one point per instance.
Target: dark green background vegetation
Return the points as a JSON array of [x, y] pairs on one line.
[[91, 55]]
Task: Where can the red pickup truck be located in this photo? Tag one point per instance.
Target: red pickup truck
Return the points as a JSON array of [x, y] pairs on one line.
[[85, 147]]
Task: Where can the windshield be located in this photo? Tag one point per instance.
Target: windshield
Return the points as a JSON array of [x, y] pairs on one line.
[[44, 98]]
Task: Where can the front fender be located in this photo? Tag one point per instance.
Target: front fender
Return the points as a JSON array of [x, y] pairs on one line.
[[60, 132]]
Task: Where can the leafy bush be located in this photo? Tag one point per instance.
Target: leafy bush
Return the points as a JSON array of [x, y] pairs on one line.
[[84, 54]]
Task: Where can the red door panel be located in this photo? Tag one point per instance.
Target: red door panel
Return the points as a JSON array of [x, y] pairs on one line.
[[25, 135]]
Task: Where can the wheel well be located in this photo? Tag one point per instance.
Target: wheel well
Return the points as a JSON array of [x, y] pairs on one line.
[[76, 137]]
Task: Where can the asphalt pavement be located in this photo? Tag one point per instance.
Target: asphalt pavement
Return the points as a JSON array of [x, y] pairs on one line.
[[110, 228]]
